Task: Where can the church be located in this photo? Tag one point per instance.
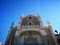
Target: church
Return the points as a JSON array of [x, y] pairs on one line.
[[31, 31]]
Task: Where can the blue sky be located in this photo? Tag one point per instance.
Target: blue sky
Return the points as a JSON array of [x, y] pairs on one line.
[[10, 10]]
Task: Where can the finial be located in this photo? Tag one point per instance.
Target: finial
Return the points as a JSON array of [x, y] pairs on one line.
[[48, 23]]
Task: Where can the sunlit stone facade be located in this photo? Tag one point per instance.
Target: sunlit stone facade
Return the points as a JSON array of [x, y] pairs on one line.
[[31, 31]]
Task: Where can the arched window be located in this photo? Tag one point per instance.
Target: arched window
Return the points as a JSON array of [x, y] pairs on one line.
[[30, 23]]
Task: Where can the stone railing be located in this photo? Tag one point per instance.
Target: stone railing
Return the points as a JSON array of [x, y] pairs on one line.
[[30, 27]]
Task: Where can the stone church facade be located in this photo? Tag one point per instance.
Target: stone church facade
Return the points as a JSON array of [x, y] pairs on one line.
[[31, 31]]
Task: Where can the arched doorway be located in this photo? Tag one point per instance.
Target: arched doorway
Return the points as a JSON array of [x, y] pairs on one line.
[[31, 38]]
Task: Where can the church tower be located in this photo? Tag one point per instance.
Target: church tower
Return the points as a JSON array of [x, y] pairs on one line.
[[31, 31]]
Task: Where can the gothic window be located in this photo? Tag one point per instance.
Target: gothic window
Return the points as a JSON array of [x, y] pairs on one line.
[[30, 23]]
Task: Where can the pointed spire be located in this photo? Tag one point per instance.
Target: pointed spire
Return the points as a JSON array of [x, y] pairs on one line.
[[22, 15], [48, 23], [12, 25], [38, 15]]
